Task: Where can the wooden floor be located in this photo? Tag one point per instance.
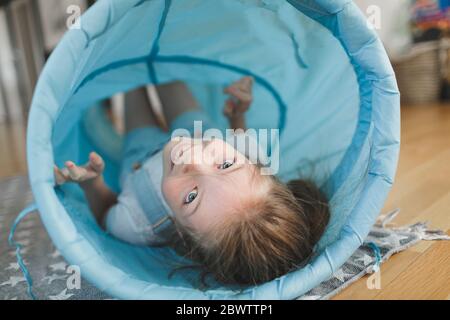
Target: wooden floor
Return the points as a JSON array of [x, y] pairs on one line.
[[421, 190], [12, 150]]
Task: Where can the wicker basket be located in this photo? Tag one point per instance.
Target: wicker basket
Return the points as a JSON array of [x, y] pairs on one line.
[[446, 60], [419, 74]]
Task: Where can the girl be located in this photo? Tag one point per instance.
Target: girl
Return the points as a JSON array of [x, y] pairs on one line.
[[238, 225]]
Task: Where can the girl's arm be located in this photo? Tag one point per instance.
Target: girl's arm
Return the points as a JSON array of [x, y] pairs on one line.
[[90, 179], [100, 198], [239, 102], [237, 122]]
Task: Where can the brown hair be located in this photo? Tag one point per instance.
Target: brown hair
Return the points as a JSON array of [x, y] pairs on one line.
[[275, 235]]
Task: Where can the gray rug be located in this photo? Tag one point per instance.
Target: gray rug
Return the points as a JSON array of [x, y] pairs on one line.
[[52, 278], [47, 267]]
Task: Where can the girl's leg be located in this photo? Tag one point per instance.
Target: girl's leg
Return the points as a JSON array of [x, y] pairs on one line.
[[176, 99], [138, 112], [143, 136]]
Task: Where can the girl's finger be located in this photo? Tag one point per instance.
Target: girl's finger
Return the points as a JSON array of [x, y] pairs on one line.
[[247, 82], [59, 177], [228, 89], [241, 95], [229, 107], [65, 172], [238, 87], [75, 172], [244, 83], [249, 79], [96, 162]]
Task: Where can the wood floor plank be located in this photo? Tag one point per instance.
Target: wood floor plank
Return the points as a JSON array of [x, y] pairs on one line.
[[420, 188], [12, 150], [422, 192], [428, 277], [390, 270]]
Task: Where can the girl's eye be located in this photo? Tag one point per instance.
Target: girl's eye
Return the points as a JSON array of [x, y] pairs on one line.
[[191, 196], [226, 165]]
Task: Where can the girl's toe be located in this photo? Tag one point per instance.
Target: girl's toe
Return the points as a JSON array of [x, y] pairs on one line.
[[96, 160]]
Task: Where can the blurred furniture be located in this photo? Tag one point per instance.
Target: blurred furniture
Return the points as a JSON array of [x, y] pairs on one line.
[[33, 27], [24, 29], [418, 74], [55, 16], [4, 112], [446, 71], [421, 73]]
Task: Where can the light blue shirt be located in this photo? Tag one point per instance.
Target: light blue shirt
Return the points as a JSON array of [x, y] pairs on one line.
[[141, 208]]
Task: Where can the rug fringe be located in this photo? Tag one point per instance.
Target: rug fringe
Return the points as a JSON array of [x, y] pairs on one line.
[[24, 213], [422, 230], [384, 219]]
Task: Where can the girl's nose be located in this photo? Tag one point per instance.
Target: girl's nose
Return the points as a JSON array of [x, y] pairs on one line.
[[200, 158], [194, 168], [202, 165], [189, 168]]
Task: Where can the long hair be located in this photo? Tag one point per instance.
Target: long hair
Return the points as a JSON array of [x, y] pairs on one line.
[[272, 236]]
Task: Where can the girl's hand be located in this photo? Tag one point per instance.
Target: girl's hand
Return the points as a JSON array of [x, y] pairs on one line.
[[240, 99], [73, 173]]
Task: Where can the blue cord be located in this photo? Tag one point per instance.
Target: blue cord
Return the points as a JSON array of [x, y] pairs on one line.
[[300, 61], [31, 208], [377, 252], [155, 47]]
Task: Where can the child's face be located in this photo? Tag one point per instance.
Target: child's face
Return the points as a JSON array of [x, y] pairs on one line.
[[204, 180]]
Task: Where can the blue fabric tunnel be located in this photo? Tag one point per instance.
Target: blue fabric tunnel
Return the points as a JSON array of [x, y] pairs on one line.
[[321, 75]]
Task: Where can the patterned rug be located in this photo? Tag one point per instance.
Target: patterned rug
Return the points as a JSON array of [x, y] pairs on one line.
[[53, 279], [48, 269]]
